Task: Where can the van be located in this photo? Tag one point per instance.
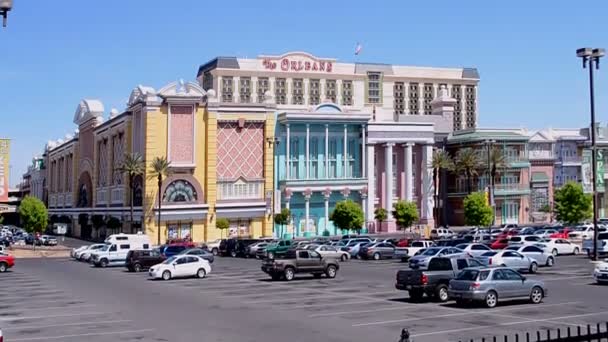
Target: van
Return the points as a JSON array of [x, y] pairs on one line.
[[139, 239], [602, 245], [117, 247]]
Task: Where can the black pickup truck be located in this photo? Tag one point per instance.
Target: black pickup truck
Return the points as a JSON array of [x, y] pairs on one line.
[[434, 281], [286, 265]]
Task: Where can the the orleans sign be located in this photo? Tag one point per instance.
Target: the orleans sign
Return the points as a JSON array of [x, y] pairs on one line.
[[298, 61]]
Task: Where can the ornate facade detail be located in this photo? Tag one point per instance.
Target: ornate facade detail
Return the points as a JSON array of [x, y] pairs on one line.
[[180, 191], [240, 150]]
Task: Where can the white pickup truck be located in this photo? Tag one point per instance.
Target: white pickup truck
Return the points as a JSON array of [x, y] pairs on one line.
[[405, 253], [602, 244]]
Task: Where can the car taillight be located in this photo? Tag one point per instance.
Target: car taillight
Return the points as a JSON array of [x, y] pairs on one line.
[[475, 286], [424, 279]]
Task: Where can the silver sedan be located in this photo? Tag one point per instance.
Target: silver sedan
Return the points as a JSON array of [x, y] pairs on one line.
[[489, 285], [535, 253], [510, 259]]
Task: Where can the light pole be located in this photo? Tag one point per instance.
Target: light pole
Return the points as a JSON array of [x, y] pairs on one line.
[[593, 57], [491, 180], [5, 6], [274, 143]]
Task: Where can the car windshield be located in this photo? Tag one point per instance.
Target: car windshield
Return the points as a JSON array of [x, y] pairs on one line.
[[462, 246], [468, 275], [104, 248], [170, 260], [513, 248], [488, 254], [431, 251]]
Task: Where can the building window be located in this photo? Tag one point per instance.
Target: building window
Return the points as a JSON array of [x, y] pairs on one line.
[[399, 98], [181, 134], [280, 91], [245, 89], [347, 93], [227, 89], [69, 173], [413, 98], [333, 151], [457, 95], [207, 80], [180, 191], [294, 158], [540, 198], [179, 230], [427, 94], [314, 157], [297, 95], [470, 100], [263, 87], [374, 85], [314, 92], [330, 90], [117, 155]]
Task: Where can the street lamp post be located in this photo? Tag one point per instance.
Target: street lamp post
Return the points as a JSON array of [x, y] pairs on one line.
[[274, 143], [593, 57], [5, 7], [491, 180]]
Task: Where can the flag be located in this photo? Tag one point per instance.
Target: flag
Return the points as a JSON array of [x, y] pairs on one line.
[[358, 49]]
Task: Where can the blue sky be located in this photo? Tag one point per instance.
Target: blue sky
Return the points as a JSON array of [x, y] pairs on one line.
[[54, 53]]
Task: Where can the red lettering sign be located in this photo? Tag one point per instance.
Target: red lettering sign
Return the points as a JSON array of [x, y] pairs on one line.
[[298, 65]]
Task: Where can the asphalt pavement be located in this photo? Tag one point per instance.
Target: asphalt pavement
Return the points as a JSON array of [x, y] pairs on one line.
[[64, 300]]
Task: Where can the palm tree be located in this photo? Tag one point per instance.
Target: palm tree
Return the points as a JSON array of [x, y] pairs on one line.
[[496, 161], [133, 165], [160, 168], [467, 162], [441, 161]]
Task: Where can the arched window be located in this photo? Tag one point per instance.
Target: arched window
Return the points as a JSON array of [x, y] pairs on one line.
[[180, 191]]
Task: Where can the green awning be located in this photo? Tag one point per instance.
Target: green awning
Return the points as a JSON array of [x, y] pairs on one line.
[[539, 177]]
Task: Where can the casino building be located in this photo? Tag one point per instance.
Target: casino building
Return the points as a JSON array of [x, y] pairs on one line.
[[253, 136]]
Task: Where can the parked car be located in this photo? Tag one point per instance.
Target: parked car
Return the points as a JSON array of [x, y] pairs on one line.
[[287, 265], [421, 260], [499, 243], [214, 246], [276, 248], [115, 254], [416, 246], [377, 251], [474, 249], [434, 281], [583, 232], [252, 250], [600, 274], [204, 254], [140, 260], [545, 233], [525, 239], [353, 249], [330, 252], [536, 253], [235, 247], [602, 244], [562, 233], [559, 246], [452, 242], [488, 285], [6, 261], [442, 233], [180, 266], [511, 259], [84, 253]]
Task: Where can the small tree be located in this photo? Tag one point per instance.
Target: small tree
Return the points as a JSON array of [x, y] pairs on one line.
[[348, 215], [477, 211], [380, 214], [133, 165], [545, 209], [33, 214], [282, 219], [405, 214], [222, 224], [571, 204]]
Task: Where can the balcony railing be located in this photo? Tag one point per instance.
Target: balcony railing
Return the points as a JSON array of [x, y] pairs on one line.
[[102, 196], [117, 195], [511, 187], [60, 200], [571, 159], [541, 154], [68, 200], [52, 201], [498, 188], [231, 190]]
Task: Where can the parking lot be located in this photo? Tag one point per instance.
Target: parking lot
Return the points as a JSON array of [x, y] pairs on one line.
[[63, 300]]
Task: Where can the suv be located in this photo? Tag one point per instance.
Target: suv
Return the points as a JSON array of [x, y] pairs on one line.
[[300, 261], [235, 247], [139, 260], [170, 250], [436, 279], [276, 248]]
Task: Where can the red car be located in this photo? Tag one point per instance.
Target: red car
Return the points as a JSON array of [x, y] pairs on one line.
[[403, 243], [6, 262], [499, 243], [561, 234], [507, 234]]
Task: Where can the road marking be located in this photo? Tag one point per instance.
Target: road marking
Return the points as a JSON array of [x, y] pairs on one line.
[[463, 312], [54, 316], [66, 324], [82, 335], [441, 332]]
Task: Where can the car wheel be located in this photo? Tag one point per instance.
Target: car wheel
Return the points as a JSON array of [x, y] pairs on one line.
[[491, 299], [416, 295], [233, 254], [331, 271], [137, 267], [215, 251], [343, 257], [3, 267], [550, 261], [576, 251], [441, 293], [554, 252], [289, 273], [533, 267], [166, 275], [376, 256], [103, 263], [536, 296], [201, 273]]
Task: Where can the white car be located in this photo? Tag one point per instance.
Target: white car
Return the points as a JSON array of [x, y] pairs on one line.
[[585, 231], [417, 246], [474, 249], [84, 253], [536, 253], [510, 259], [180, 266], [441, 233], [330, 252], [559, 247], [601, 272], [214, 246]]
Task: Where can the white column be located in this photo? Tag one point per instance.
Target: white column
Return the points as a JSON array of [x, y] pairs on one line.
[[363, 165], [408, 171], [307, 151], [236, 89], [339, 92], [388, 193], [371, 185], [288, 88], [287, 155], [406, 98], [344, 172], [287, 200], [254, 89], [306, 86], [365, 208], [306, 210], [327, 210], [427, 182], [326, 151], [435, 89]]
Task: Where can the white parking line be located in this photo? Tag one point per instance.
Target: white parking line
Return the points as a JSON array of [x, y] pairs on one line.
[[441, 332], [82, 335], [66, 324], [54, 316]]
